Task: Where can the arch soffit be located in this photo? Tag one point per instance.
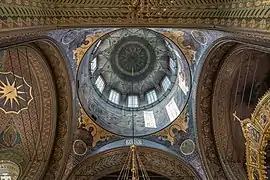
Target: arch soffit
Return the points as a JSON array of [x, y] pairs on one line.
[[28, 63], [204, 98], [65, 107], [53, 57], [221, 111], [154, 160], [203, 110]]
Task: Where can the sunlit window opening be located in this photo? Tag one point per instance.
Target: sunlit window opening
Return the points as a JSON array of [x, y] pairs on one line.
[[177, 53], [100, 84], [183, 84], [96, 47], [114, 97], [166, 83], [151, 96], [93, 65], [172, 65], [133, 101], [172, 110], [149, 119], [98, 43]]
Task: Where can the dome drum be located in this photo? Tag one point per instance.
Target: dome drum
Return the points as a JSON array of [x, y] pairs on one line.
[[133, 75]]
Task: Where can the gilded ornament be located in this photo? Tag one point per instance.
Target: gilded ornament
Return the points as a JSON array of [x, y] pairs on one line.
[[124, 13], [80, 51], [256, 130], [97, 133], [79, 147], [15, 93], [178, 38]]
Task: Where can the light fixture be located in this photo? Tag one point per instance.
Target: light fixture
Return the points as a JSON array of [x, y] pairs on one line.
[[133, 168]]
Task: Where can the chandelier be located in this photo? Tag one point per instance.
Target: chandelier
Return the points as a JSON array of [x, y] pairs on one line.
[[133, 168]]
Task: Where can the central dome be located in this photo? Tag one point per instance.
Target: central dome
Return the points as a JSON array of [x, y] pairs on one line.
[[133, 58], [132, 62], [133, 76]]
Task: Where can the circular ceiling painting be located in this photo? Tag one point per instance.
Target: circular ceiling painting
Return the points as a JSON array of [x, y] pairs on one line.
[[133, 58], [133, 82]]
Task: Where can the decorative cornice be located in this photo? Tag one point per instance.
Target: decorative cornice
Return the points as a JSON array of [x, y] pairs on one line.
[[67, 14]]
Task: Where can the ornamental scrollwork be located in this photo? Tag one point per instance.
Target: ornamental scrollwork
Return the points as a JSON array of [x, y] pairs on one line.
[[32, 16]]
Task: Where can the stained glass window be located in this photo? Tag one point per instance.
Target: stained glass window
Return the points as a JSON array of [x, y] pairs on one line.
[[172, 65]]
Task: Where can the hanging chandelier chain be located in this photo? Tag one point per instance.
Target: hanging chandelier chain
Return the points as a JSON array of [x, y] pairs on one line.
[[144, 173], [124, 171], [133, 164]]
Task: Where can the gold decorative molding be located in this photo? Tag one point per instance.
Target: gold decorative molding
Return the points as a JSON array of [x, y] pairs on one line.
[[65, 116], [12, 87], [41, 15], [80, 51], [98, 133], [256, 131]]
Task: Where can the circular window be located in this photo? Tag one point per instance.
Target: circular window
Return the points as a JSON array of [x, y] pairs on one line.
[[133, 77]]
